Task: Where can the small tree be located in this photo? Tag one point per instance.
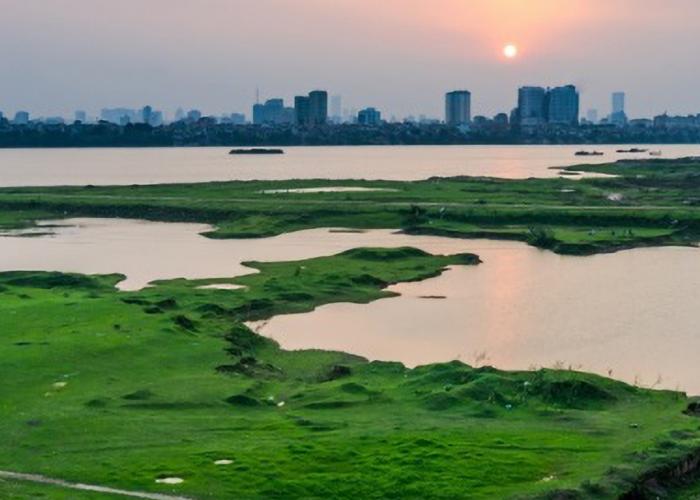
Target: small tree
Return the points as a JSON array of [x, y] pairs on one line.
[[541, 237]]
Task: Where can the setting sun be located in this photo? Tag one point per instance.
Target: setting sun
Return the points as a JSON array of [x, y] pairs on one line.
[[510, 51]]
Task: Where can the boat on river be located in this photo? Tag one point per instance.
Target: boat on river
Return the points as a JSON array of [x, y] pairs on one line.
[[632, 150], [256, 151]]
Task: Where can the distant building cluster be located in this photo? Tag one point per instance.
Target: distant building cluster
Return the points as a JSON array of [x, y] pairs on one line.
[[542, 115], [312, 109], [125, 116], [273, 112], [538, 106], [369, 116]]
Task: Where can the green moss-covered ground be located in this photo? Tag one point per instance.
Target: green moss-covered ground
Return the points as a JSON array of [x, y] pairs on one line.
[[119, 389]]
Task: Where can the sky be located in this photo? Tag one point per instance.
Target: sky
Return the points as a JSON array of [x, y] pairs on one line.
[[400, 56]]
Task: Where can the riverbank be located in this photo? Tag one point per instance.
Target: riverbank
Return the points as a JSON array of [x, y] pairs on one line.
[[168, 383], [637, 203], [207, 132]]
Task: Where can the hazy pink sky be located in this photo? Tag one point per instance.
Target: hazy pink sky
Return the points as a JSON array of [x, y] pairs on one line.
[[398, 55]]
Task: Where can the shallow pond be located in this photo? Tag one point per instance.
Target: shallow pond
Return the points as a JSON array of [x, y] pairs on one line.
[[633, 314]]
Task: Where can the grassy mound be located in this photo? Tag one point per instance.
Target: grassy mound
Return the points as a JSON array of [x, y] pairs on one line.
[[105, 392]]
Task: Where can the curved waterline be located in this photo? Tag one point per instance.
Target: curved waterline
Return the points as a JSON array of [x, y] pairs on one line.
[[630, 314]]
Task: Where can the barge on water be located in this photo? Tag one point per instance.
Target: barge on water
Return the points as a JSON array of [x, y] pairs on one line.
[[256, 151]]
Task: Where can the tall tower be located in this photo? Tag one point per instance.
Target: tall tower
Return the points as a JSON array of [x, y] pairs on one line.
[[618, 102], [336, 110], [562, 105], [458, 108], [531, 105], [618, 115], [318, 107], [302, 110]]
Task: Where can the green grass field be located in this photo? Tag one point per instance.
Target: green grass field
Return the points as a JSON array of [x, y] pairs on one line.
[[120, 389], [645, 203], [123, 388]]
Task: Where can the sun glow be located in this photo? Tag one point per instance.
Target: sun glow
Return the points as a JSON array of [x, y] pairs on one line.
[[510, 51]]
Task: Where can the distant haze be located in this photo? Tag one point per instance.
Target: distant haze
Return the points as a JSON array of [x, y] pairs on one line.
[[397, 55]]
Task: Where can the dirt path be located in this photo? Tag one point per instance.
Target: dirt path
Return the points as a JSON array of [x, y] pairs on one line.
[[35, 478]]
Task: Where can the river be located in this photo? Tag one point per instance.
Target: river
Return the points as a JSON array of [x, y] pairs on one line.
[[51, 167]]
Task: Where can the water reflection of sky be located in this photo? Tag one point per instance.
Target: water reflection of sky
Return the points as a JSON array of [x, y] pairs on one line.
[[633, 312]]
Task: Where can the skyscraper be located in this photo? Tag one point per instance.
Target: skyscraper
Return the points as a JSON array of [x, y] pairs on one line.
[[147, 114], [301, 110], [312, 109], [120, 116], [273, 112], [531, 106], [194, 115], [592, 116], [458, 108], [156, 119], [21, 118], [618, 115], [369, 116], [336, 109], [237, 118], [618, 102], [562, 105], [318, 107], [80, 116]]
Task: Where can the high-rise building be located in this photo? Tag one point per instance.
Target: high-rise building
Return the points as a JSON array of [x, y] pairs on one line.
[[592, 116], [156, 119], [336, 109], [54, 120], [120, 116], [237, 118], [618, 102], [273, 112], [311, 110], [618, 116], [21, 118], [80, 116], [562, 105], [147, 115], [531, 106], [318, 107], [302, 110], [179, 115], [369, 116], [194, 115], [458, 108]]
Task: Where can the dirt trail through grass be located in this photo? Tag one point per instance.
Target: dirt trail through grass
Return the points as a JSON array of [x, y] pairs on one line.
[[35, 478]]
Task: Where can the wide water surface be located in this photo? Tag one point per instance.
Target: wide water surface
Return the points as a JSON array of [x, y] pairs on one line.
[[50, 167], [632, 314]]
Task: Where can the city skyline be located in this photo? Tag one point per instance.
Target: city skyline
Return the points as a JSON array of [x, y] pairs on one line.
[[535, 106], [212, 55]]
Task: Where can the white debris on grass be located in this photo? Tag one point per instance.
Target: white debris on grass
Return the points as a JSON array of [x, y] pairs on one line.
[[221, 286], [170, 480]]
